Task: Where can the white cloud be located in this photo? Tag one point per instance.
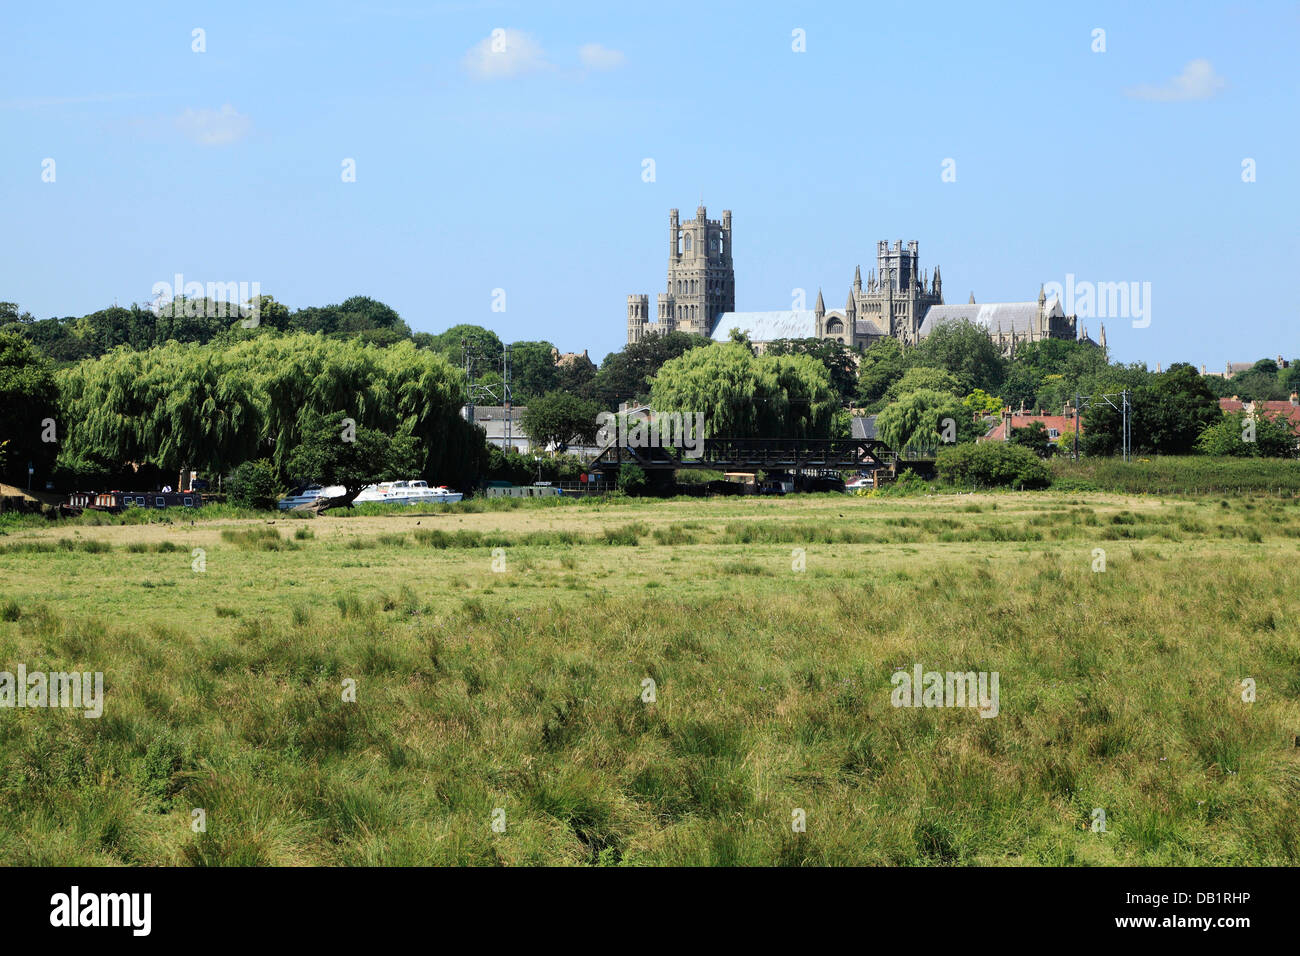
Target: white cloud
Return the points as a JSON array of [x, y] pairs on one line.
[[505, 53], [214, 127], [597, 57], [1198, 81]]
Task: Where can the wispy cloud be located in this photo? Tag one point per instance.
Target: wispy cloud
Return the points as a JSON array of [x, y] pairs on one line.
[[214, 127], [597, 57], [505, 53], [1198, 81]]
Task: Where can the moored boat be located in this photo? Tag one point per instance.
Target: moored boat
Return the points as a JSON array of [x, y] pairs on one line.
[[407, 493]]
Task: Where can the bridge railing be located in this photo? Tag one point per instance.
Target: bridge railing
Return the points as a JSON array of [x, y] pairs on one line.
[[758, 452]]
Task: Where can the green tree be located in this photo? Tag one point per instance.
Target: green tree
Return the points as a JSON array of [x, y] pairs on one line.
[[965, 350], [254, 485], [919, 420], [333, 453], [558, 419], [981, 403], [626, 376], [743, 396], [576, 377], [1169, 412], [1259, 383], [1238, 436], [836, 358], [882, 364], [632, 479], [479, 341], [1034, 437], [915, 379], [532, 371], [28, 396], [992, 464]]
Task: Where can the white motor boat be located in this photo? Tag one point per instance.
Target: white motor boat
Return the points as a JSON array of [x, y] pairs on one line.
[[407, 493], [309, 495]]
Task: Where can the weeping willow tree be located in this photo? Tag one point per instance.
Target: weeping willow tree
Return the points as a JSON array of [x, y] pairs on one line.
[[743, 396], [211, 407], [918, 420], [175, 407]]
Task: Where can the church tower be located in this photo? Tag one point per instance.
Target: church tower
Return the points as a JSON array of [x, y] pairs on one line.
[[701, 278], [897, 294]]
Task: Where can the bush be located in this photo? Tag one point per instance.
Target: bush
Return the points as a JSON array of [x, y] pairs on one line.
[[631, 479], [992, 464], [254, 485]]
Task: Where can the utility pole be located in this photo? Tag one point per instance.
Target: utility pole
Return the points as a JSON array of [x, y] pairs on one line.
[[1124, 407], [476, 393], [507, 395]]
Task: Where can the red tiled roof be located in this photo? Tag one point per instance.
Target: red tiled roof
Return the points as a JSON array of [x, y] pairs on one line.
[[1269, 410], [1061, 423]]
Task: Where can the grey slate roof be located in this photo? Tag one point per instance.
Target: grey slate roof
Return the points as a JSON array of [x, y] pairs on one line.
[[863, 426], [1019, 317], [767, 326], [867, 327]]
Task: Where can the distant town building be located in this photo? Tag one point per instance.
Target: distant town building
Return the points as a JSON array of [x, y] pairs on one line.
[[1012, 324], [701, 280], [1056, 426], [498, 420], [1235, 368], [1288, 410], [897, 300]]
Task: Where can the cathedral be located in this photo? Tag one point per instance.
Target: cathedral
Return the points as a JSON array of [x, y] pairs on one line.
[[701, 280], [897, 300]]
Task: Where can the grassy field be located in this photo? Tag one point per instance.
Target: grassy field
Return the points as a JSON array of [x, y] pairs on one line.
[[1179, 475], [500, 656]]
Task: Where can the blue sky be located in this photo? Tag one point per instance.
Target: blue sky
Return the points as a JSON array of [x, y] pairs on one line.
[[524, 172]]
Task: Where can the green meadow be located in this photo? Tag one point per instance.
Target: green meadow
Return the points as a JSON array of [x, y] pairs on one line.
[[502, 657]]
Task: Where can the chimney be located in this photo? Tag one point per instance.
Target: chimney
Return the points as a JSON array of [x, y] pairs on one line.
[[1006, 423], [1295, 398]]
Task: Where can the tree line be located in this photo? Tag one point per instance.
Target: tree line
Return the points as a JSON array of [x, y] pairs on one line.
[[130, 388]]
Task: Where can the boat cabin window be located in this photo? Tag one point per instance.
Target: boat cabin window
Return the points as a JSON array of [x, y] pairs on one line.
[[189, 502], [160, 502]]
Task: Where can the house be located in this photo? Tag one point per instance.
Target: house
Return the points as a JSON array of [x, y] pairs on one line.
[[1057, 426], [1290, 409], [503, 425]]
